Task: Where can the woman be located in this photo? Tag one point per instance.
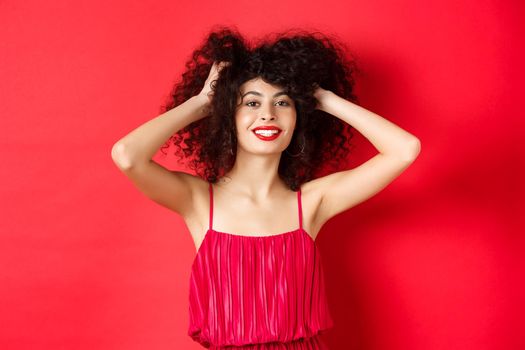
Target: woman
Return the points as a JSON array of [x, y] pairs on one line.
[[260, 126]]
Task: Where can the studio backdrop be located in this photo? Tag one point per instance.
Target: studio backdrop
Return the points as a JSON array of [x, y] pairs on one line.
[[434, 261]]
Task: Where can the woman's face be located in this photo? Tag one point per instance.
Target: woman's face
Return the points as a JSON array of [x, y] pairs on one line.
[[265, 107]]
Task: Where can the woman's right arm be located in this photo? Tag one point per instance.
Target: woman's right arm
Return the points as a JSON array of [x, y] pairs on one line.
[[134, 152], [141, 144]]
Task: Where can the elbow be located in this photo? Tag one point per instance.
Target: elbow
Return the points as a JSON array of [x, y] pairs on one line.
[[410, 151], [118, 154], [413, 149]]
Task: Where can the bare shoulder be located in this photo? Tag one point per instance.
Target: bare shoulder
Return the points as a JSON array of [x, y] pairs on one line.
[[311, 198], [198, 191], [314, 200], [196, 216]]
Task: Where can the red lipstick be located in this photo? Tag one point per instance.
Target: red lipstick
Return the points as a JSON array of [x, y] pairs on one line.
[[267, 132]]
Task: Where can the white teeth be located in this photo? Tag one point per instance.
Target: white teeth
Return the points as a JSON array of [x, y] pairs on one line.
[[266, 132]]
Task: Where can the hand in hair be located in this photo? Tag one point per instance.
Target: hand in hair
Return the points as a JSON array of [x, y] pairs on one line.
[[209, 85], [320, 94]]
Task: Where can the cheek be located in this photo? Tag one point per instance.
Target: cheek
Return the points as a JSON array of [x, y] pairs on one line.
[[293, 122], [243, 121]]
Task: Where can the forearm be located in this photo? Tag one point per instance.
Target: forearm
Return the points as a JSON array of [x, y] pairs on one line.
[[386, 136], [141, 144]]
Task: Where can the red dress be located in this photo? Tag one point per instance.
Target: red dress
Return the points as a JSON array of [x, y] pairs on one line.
[[258, 292]]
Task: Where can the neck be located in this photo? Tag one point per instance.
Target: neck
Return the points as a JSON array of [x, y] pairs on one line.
[[255, 175]]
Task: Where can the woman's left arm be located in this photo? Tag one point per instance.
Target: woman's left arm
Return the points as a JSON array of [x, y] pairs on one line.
[[397, 150], [387, 137]]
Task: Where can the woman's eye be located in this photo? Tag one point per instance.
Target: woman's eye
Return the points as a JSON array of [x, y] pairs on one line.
[[254, 103]]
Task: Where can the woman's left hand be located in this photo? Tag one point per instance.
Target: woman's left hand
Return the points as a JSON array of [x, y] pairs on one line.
[[320, 95]]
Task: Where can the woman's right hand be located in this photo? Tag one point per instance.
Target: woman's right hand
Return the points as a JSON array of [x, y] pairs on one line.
[[207, 90]]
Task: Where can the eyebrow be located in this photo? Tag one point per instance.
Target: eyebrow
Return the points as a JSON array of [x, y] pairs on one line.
[[259, 94]]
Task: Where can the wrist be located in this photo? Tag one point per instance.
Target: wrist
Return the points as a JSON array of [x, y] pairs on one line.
[[202, 99], [202, 104], [322, 96]]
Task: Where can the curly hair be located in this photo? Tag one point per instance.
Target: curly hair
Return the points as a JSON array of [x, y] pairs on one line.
[[296, 60]]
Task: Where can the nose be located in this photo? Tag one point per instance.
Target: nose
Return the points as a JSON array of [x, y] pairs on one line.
[[267, 114]]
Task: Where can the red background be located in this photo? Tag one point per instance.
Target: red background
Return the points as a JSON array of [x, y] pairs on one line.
[[434, 261]]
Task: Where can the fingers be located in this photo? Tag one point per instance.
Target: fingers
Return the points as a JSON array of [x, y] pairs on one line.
[[218, 66], [211, 81], [223, 63]]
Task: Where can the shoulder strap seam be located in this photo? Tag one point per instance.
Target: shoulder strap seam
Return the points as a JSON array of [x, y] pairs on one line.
[[210, 224], [300, 208]]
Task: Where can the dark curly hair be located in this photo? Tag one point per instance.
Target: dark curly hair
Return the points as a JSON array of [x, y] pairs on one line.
[[295, 60]]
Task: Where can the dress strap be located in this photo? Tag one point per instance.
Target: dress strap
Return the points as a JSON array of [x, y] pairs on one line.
[[211, 205], [300, 208]]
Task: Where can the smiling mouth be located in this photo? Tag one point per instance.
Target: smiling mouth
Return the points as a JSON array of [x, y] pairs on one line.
[[267, 135]]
